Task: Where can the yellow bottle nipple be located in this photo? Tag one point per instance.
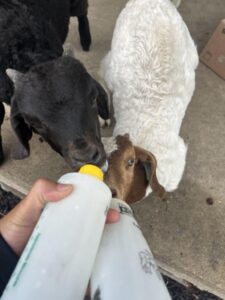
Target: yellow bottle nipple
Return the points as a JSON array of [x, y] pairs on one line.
[[92, 170]]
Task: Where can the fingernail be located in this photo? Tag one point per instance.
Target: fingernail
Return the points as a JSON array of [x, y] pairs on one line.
[[64, 187]]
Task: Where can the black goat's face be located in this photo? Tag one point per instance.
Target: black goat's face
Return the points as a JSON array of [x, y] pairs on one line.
[[59, 100]]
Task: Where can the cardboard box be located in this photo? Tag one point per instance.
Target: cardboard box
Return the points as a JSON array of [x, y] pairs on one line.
[[213, 55]]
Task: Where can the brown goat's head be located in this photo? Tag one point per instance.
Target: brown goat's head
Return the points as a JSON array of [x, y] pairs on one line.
[[131, 171]]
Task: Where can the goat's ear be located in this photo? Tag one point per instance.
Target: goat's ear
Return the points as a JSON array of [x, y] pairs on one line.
[[102, 102], [14, 76], [22, 131], [145, 175]]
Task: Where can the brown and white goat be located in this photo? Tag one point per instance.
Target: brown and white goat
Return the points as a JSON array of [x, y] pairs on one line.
[[132, 170]]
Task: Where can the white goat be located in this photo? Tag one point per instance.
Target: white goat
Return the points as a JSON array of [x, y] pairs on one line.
[[150, 71]]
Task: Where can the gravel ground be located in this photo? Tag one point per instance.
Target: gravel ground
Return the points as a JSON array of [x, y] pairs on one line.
[[177, 291]]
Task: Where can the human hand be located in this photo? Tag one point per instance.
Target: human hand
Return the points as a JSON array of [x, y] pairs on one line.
[[17, 226]]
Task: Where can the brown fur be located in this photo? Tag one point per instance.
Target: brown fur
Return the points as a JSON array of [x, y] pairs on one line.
[[131, 170]]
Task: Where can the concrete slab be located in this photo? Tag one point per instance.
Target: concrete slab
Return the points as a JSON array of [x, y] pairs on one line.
[[186, 234]]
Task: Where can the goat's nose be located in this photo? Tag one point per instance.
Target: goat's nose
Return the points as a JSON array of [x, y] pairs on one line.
[[94, 154], [85, 152], [92, 151], [97, 155]]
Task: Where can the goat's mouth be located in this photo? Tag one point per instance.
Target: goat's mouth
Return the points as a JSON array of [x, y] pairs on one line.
[[116, 193], [77, 164], [78, 155]]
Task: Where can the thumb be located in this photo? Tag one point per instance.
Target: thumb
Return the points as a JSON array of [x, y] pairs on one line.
[[17, 226], [44, 191]]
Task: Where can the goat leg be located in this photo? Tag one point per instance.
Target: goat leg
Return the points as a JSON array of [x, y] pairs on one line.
[[84, 31], [6, 88], [2, 115], [23, 133]]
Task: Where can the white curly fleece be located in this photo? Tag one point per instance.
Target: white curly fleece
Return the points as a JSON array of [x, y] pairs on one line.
[[150, 70]]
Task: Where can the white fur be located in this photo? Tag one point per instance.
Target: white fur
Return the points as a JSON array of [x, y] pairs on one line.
[[150, 70], [110, 145]]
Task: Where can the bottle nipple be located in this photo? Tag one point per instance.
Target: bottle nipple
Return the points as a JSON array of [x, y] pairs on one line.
[[92, 170]]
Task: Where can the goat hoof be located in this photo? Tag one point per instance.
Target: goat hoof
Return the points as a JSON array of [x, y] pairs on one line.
[[85, 47], [86, 43], [104, 123], [20, 152]]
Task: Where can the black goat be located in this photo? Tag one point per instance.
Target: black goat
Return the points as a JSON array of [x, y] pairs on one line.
[[55, 93]]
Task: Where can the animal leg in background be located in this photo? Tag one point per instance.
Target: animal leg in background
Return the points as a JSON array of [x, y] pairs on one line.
[[6, 88], [84, 31], [23, 132], [2, 115], [80, 10]]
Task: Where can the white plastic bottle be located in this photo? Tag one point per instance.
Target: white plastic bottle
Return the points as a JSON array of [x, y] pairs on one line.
[[58, 259], [125, 268]]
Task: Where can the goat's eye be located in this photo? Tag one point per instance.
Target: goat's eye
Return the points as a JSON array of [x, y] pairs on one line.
[[130, 162]]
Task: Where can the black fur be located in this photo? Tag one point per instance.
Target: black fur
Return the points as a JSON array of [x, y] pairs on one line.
[[54, 96], [33, 31], [59, 100], [79, 10]]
